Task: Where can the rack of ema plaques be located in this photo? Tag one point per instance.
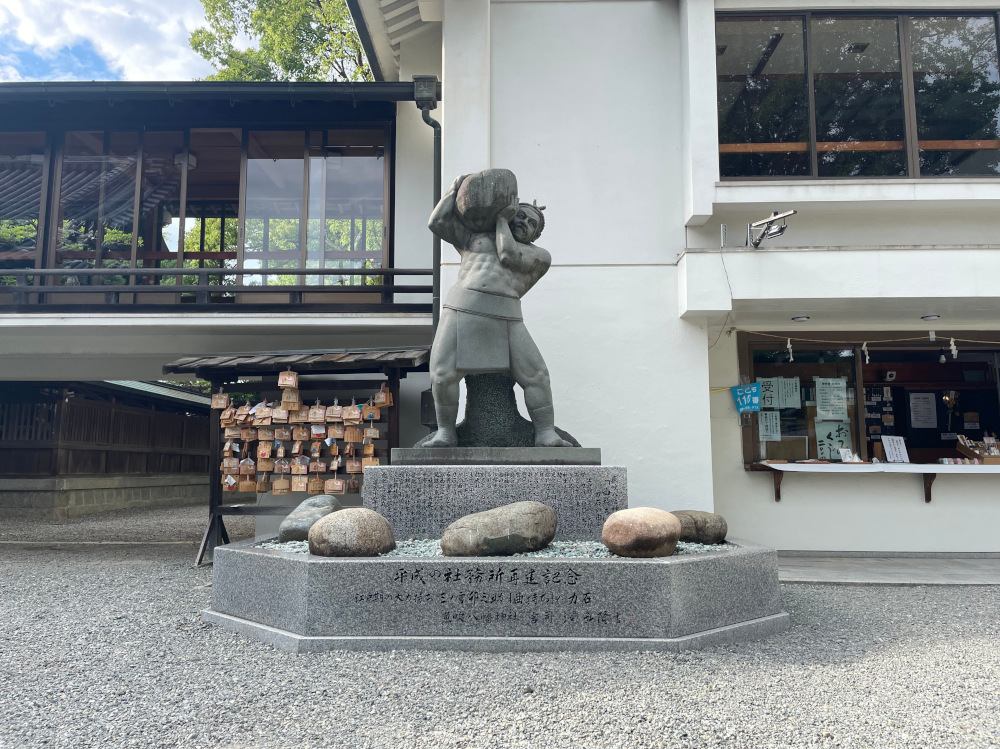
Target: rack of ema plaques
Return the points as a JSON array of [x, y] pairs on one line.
[[305, 603]]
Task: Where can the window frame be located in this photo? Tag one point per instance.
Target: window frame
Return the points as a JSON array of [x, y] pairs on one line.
[[906, 68]]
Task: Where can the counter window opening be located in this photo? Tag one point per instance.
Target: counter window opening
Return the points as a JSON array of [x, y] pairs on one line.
[[839, 95], [829, 398]]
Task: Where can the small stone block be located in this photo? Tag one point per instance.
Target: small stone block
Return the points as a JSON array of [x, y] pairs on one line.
[[467, 456]]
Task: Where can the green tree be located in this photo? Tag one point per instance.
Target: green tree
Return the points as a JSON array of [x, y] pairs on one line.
[[293, 40]]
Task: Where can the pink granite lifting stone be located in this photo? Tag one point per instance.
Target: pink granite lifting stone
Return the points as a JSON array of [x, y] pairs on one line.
[[641, 533]]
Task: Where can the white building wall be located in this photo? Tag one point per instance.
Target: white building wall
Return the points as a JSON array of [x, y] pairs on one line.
[[601, 150]]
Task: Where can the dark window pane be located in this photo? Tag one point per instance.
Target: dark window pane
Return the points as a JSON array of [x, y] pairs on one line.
[[763, 103], [211, 224], [22, 157], [859, 97], [96, 203], [957, 89]]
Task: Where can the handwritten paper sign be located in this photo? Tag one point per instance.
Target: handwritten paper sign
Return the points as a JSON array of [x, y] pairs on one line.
[[768, 392], [895, 449], [769, 426], [831, 437], [831, 398], [746, 397], [923, 411], [789, 393]]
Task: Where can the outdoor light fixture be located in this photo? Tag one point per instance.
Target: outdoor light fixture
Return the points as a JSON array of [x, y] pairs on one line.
[[800, 318], [767, 228], [930, 317]]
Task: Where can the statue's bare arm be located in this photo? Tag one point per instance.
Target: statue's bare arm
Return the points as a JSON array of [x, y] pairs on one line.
[[444, 222], [520, 258]]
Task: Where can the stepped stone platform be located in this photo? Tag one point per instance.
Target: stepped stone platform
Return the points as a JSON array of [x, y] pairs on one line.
[[304, 603]]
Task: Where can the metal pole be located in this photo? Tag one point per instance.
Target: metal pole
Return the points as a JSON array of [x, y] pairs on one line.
[[425, 94], [436, 253]]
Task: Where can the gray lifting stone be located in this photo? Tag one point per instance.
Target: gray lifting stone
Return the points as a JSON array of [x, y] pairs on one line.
[[421, 501]]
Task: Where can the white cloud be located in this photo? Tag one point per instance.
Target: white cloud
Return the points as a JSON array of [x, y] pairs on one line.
[[147, 40]]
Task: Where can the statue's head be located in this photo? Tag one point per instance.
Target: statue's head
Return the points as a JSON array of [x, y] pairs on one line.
[[528, 222]]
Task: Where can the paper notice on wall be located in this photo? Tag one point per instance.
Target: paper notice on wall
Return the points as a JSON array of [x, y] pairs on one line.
[[923, 411], [768, 392], [831, 438], [789, 393], [895, 449], [769, 426], [831, 398]]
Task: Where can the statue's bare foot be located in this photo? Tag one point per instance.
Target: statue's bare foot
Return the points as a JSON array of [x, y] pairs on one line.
[[549, 438], [443, 438]]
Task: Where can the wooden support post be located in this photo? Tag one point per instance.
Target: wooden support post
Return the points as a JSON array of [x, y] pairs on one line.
[[215, 532], [928, 481], [777, 476], [393, 426]]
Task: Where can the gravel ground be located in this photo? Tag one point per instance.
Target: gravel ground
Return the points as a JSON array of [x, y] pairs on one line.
[[102, 646]]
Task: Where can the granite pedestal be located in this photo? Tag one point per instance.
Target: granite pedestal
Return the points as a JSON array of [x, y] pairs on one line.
[[494, 456], [304, 603], [421, 501]]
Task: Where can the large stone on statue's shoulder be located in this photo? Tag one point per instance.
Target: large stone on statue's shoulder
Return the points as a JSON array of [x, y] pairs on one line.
[[511, 529], [482, 196], [352, 532], [641, 532], [295, 527], [701, 527]]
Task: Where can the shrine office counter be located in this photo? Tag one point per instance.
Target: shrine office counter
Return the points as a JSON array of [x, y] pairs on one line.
[[929, 471]]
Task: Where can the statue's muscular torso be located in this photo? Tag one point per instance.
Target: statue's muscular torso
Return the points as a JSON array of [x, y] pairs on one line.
[[482, 270]]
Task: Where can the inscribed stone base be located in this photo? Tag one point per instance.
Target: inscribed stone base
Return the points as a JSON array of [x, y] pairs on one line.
[[302, 602], [421, 501]]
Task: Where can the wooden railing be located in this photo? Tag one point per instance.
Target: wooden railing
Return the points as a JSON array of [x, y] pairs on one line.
[[135, 289], [860, 145]]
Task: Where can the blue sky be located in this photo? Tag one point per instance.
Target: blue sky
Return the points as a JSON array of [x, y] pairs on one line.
[[83, 40], [76, 62]]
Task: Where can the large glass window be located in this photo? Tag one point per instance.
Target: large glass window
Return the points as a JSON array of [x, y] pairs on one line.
[[849, 95], [763, 101], [274, 196], [22, 163], [353, 184], [96, 203], [957, 94], [858, 90], [159, 198]]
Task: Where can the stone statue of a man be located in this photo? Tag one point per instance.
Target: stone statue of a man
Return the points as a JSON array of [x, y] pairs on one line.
[[480, 328]]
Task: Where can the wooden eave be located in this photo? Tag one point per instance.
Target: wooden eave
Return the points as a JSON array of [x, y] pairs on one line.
[[341, 361]]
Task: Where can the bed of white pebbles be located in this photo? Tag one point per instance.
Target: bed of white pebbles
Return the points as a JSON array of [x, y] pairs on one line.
[[415, 547]]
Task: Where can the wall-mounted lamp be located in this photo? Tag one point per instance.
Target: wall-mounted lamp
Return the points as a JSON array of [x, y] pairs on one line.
[[767, 228]]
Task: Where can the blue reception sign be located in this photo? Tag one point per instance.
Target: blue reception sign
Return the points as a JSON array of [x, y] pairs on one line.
[[747, 397]]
